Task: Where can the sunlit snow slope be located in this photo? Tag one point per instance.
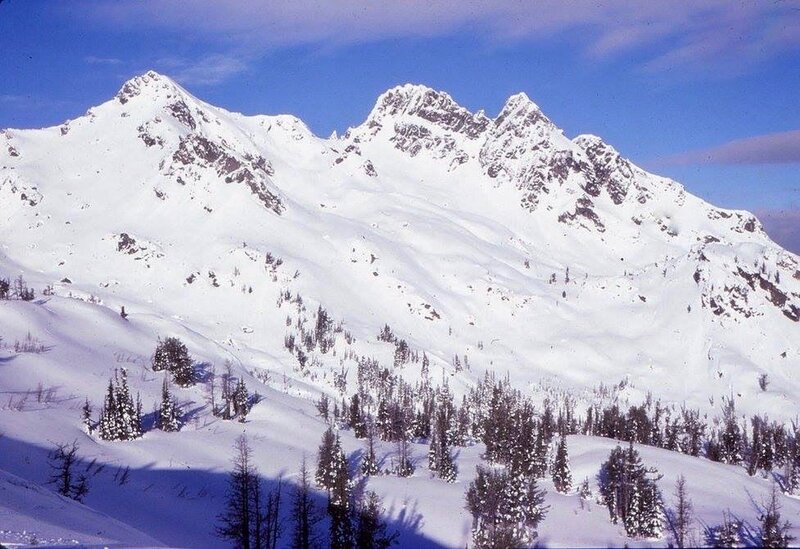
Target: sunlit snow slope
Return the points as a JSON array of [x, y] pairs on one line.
[[499, 240]]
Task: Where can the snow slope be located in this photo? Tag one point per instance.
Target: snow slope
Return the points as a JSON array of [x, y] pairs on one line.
[[555, 261]]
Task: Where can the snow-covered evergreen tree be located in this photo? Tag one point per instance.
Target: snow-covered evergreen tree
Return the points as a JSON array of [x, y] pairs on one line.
[[86, 416], [120, 417], [728, 533], [774, 531], [506, 509], [562, 476], [405, 465], [328, 449], [731, 436], [240, 400], [369, 464], [168, 413], [631, 494], [339, 505]]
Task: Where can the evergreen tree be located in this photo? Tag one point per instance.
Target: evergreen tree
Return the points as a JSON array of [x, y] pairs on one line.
[[173, 356], [86, 416], [539, 458], [341, 526], [792, 466], [562, 476], [440, 457], [683, 516], [120, 417], [727, 534], [369, 464], [304, 513], [506, 509], [630, 494], [63, 461], [237, 522], [774, 532], [357, 419], [240, 400], [168, 412], [731, 437], [328, 449], [371, 531], [405, 465]]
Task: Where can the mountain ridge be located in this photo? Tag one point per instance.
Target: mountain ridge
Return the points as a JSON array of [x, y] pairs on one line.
[[455, 228]]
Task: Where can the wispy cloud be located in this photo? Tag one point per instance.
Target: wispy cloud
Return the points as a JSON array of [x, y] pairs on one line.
[[203, 71], [8, 99], [702, 33], [110, 61], [773, 148], [783, 226]]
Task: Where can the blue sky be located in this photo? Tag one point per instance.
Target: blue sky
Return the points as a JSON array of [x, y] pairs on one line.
[[705, 92]]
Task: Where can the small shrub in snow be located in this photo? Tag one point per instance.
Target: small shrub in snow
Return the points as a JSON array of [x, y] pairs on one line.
[[30, 344]]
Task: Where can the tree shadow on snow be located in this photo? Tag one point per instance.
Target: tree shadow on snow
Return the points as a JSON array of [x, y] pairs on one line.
[[178, 506]]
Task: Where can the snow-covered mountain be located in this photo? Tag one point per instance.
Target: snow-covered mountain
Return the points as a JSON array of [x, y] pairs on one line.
[[497, 240]]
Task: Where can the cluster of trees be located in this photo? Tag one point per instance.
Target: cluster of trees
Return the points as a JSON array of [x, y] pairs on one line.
[[304, 339], [758, 444], [254, 518], [16, 289], [506, 507], [630, 492], [251, 518], [172, 355], [236, 399], [353, 521], [120, 416]]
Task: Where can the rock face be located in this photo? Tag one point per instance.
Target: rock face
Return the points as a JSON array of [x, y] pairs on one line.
[[497, 237]]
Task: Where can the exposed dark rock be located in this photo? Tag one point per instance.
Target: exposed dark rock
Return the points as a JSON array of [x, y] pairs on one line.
[[369, 169], [435, 107], [583, 208], [253, 172], [127, 244], [180, 111], [775, 295]]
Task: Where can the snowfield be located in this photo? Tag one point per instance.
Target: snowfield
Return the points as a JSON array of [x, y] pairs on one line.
[[499, 241]]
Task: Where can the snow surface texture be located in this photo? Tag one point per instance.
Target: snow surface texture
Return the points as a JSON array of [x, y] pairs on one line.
[[554, 261]]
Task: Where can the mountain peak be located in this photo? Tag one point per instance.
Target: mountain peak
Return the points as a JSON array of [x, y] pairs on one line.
[[154, 83], [435, 107], [520, 107], [407, 98]]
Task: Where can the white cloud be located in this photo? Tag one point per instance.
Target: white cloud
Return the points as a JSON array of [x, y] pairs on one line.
[[92, 60], [773, 148], [678, 32], [204, 71]]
